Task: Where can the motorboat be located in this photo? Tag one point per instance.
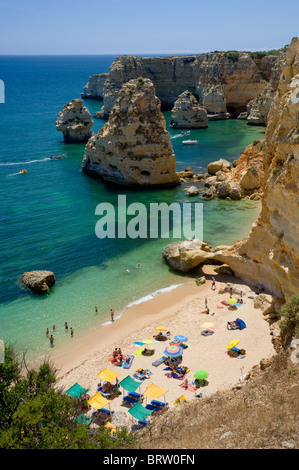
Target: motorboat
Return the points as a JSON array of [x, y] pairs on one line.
[[190, 142], [23, 171], [58, 157]]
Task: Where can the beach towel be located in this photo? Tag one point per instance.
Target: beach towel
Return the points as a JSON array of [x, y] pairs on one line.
[[219, 306], [190, 387], [128, 361], [224, 302], [159, 361], [250, 297], [139, 351]]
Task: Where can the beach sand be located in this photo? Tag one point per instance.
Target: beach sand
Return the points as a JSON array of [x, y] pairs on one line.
[[180, 312]]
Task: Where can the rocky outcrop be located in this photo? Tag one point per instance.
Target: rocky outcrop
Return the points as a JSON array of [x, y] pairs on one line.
[[222, 82], [39, 282], [187, 113], [94, 87], [270, 254], [75, 122], [258, 108], [133, 148]]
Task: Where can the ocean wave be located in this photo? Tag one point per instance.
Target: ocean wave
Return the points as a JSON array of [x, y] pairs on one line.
[[146, 298]]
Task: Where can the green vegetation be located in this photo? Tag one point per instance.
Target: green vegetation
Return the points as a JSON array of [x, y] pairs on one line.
[[140, 82], [290, 317], [33, 415]]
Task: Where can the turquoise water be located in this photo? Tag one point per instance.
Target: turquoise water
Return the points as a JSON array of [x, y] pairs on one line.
[[48, 214]]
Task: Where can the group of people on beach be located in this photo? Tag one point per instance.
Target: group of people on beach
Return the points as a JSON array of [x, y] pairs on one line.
[[117, 356], [51, 337]]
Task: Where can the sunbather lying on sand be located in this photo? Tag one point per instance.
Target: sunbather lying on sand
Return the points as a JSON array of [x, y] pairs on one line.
[[160, 337], [108, 387]]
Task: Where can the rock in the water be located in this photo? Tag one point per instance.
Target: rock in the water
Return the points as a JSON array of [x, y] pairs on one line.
[[213, 167], [192, 191], [74, 121], [39, 281], [186, 255], [187, 113], [133, 148]]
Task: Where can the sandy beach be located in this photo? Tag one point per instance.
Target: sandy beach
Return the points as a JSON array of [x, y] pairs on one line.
[[180, 312]]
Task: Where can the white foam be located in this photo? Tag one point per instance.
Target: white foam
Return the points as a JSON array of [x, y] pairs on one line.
[[146, 298], [25, 163]]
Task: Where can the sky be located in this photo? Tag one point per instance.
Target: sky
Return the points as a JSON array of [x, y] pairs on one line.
[[62, 27]]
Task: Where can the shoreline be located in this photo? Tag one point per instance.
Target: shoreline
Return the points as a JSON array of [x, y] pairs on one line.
[[180, 312]]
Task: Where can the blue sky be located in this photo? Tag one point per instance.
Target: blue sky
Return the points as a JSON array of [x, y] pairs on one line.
[[153, 26]]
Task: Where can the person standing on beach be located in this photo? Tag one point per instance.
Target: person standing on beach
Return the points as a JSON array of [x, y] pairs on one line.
[[213, 283], [53, 328], [206, 303], [66, 326], [112, 314], [51, 340], [96, 309], [47, 332], [72, 332]]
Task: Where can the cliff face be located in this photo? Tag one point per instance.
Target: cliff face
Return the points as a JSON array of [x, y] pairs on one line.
[[133, 148], [235, 77], [270, 254], [94, 87]]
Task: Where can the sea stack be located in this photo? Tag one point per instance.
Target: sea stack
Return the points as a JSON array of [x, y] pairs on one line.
[[74, 121], [133, 148], [187, 113]]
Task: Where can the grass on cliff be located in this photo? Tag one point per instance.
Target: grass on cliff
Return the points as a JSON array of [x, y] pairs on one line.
[[263, 414]]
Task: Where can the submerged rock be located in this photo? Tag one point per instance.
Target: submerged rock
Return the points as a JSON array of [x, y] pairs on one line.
[[133, 148], [187, 113], [39, 282], [74, 121]]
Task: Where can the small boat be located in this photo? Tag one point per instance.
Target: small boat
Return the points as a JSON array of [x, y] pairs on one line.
[[185, 132], [23, 171], [58, 157], [190, 142]]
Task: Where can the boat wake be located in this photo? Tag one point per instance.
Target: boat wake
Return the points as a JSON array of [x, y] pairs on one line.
[[25, 163]]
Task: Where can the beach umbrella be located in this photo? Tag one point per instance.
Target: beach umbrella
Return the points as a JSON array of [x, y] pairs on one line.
[[201, 374], [233, 343], [175, 342], [207, 325], [232, 301], [173, 351], [181, 338], [160, 328]]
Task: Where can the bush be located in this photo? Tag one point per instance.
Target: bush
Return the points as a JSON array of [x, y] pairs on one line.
[[290, 317], [140, 82]]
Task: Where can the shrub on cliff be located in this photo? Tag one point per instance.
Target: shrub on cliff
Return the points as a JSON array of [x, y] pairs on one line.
[[290, 317]]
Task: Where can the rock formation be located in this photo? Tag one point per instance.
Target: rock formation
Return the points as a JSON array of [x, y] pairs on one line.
[[258, 108], [39, 282], [187, 113], [222, 82], [94, 87], [270, 254], [133, 148], [74, 121]]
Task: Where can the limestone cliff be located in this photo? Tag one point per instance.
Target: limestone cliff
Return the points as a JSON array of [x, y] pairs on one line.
[[270, 254], [94, 87], [220, 81], [133, 148], [74, 121], [187, 113]]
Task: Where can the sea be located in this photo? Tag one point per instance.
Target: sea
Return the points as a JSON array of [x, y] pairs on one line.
[[48, 215]]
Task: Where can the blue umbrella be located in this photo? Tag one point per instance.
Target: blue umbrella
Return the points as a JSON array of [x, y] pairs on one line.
[[181, 338]]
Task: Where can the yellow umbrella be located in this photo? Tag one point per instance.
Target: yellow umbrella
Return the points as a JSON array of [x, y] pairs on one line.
[[108, 375], [161, 329], [98, 401], [207, 325], [233, 343]]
